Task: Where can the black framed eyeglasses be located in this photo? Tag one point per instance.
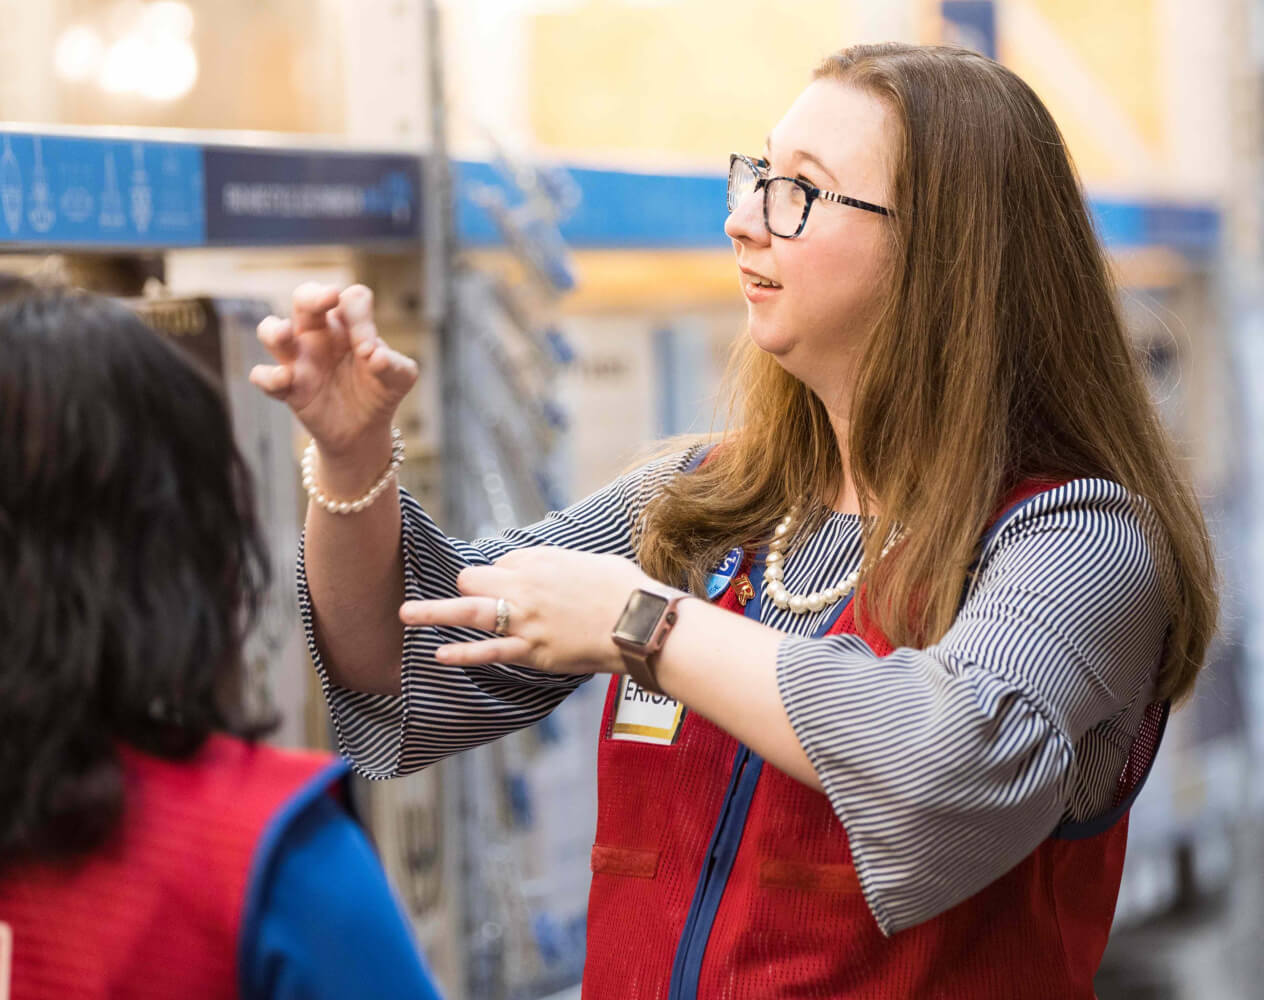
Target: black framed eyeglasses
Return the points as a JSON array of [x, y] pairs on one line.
[[787, 200]]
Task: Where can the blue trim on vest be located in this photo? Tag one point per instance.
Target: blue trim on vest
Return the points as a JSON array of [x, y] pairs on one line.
[[1005, 517], [697, 460], [1100, 824], [721, 853], [336, 772], [727, 836]]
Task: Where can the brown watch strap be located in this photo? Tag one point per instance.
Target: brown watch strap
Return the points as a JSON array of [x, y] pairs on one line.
[[641, 670]]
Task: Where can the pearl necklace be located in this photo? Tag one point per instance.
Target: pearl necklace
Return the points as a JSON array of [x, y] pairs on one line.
[[799, 604]]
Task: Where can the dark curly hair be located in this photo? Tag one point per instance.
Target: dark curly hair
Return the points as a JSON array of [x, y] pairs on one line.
[[131, 563]]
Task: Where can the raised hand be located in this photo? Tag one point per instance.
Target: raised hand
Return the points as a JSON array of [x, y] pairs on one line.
[[333, 370]]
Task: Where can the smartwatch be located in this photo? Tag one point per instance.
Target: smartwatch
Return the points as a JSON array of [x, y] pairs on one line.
[[642, 629]]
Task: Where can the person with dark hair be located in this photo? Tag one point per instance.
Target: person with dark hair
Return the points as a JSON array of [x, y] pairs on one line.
[[888, 664], [149, 846]]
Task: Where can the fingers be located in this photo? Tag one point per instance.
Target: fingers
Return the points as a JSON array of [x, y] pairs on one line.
[[311, 302], [311, 309], [460, 612], [357, 303], [355, 312], [355, 309], [467, 612], [510, 649], [276, 380], [277, 335], [346, 320], [396, 371], [487, 581]]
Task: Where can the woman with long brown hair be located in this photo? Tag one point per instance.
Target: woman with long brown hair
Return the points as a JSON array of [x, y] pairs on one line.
[[969, 577]]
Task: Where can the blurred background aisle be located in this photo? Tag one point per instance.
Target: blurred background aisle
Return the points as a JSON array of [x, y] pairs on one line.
[[535, 190]]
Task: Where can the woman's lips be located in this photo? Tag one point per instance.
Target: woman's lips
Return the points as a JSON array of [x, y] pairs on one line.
[[754, 291], [758, 293]]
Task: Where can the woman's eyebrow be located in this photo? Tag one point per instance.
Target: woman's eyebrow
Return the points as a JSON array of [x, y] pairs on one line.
[[802, 155]]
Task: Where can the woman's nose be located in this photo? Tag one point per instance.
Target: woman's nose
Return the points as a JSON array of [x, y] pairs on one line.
[[746, 221]]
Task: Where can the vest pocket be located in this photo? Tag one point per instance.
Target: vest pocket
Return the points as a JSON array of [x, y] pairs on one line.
[[624, 861], [809, 877]]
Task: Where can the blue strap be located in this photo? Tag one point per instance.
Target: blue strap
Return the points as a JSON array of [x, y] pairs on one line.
[[698, 459], [997, 527], [716, 869], [1085, 829], [727, 835]]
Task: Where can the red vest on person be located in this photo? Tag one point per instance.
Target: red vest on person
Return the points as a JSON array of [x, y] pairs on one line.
[[156, 913], [716, 876]]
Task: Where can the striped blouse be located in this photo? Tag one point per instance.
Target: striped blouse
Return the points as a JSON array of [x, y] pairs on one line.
[[947, 764]]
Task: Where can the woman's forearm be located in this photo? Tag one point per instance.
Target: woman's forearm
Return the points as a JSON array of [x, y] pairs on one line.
[[725, 668], [355, 574]]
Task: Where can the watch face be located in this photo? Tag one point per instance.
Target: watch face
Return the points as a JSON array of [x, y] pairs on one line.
[[640, 616]]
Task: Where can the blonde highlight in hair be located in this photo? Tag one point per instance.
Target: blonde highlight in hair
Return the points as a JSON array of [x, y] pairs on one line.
[[999, 357]]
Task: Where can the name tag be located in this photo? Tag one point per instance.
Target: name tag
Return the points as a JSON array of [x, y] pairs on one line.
[[644, 717]]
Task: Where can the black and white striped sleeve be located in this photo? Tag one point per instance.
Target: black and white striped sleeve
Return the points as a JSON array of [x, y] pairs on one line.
[[444, 709], [949, 765]]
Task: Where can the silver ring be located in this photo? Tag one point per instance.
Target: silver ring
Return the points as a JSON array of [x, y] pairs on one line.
[[502, 617]]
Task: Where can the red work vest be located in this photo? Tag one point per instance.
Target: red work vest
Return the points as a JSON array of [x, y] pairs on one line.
[[716, 876], [157, 912]]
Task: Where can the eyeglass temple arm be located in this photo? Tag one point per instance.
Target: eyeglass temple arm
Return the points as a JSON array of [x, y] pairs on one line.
[[843, 199]]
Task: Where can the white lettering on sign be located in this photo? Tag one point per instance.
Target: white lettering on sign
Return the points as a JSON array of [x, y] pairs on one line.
[[296, 201], [644, 717], [6, 959]]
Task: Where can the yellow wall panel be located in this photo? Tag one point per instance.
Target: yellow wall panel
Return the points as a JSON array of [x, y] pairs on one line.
[[694, 79], [1096, 161], [1118, 43], [632, 279]]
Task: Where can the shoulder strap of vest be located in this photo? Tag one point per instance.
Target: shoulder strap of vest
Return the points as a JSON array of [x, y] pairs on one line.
[[1084, 829], [699, 458], [1015, 503]]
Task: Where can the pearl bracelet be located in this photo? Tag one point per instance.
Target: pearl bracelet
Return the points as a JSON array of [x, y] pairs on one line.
[[351, 506]]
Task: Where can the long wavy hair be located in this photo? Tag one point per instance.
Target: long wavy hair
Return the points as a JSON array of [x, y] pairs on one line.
[[130, 563], [999, 356]]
